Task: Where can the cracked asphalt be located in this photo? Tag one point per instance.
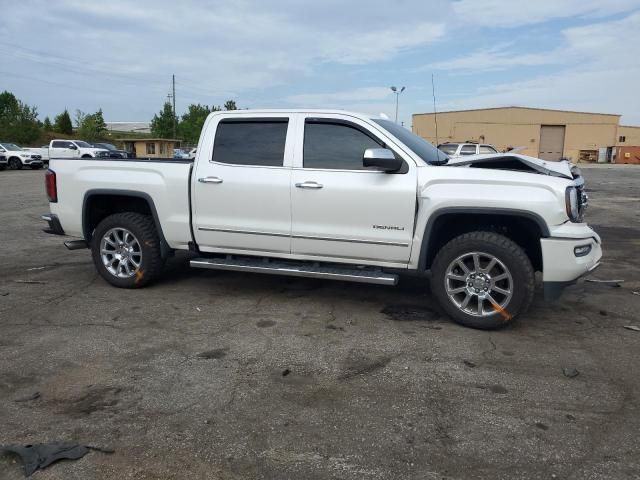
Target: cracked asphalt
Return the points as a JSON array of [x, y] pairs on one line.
[[224, 375]]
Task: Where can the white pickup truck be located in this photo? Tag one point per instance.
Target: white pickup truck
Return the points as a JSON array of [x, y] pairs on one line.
[[334, 195], [75, 149]]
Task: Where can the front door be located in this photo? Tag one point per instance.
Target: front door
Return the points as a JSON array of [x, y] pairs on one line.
[[241, 186], [340, 209]]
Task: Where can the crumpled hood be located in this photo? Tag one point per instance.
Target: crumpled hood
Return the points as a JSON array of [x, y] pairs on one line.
[[514, 161]]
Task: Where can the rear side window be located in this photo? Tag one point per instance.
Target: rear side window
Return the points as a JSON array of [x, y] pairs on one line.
[[335, 145], [251, 142], [468, 150], [487, 149]]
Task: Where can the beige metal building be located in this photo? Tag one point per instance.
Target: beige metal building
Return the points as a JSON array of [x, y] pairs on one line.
[[544, 133], [150, 147]]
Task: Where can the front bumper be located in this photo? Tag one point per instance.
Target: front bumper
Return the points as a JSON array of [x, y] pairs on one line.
[[54, 224], [564, 261]]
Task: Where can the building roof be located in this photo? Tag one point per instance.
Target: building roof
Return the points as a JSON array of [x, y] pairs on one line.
[[141, 127], [522, 108], [148, 140]]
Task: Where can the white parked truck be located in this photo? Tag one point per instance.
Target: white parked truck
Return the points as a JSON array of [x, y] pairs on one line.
[[75, 149], [334, 195]]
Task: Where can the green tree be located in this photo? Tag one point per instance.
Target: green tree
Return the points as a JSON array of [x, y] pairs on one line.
[[46, 125], [18, 122], [162, 122], [192, 121], [230, 105], [91, 126], [62, 123]]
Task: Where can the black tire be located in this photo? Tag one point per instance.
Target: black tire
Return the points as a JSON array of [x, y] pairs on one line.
[[512, 257], [86, 155], [15, 163], [143, 228]]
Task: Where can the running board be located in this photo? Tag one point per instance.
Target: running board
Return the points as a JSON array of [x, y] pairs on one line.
[[310, 270]]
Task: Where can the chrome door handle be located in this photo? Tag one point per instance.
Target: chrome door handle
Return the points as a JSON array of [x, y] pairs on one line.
[[210, 180], [312, 185]]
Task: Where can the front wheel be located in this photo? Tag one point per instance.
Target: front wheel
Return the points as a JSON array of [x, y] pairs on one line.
[[483, 279], [126, 250], [15, 164]]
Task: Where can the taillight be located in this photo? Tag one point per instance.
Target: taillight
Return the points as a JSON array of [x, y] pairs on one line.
[[50, 185]]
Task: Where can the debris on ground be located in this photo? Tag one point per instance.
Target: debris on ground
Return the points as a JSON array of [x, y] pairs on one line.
[[4, 294], [40, 455], [286, 372], [198, 309], [570, 372], [612, 283], [635, 293], [35, 268], [32, 282], [635, 328], [469, 363], [28, 398]]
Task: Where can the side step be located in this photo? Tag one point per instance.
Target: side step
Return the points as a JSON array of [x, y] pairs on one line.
[[312, 270]]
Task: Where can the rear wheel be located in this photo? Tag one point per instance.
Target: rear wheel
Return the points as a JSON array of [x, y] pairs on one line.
[[483, 279], [15, 164], [126, 250]]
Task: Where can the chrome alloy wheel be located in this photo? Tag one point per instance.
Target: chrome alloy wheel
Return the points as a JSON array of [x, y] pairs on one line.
[[120, 252], [479, 284]]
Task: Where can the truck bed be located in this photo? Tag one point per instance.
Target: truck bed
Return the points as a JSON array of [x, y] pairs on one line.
[[164, 182]]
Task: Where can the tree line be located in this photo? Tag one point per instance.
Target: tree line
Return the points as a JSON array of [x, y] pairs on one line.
[[19, 122], [187, 126]]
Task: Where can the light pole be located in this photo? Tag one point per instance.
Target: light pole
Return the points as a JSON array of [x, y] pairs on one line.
[[397, 92]]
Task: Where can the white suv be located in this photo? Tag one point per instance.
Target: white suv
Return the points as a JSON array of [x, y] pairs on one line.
[[454, 150], [18, 157]]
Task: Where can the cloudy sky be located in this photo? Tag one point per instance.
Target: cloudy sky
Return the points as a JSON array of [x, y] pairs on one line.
[[119, 55]]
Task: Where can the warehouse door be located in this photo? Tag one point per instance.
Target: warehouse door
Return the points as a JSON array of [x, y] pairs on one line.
[[551, 142]]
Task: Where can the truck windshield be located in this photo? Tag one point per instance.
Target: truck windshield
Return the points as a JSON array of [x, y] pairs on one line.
[[12, 147], [82, 144], [419, 146]]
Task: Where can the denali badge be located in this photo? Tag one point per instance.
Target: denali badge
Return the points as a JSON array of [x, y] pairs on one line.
[[387, 227]]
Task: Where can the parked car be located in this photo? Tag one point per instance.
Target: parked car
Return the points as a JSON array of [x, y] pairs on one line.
[[180, 153], [192, 153], [333, 195], [3, 162], [454, 150], [43, 151], [75, 149], [18, 157], [114, 152]]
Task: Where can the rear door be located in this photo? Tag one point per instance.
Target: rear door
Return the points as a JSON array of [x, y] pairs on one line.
[[241, 185], [342, 211], [61, 149]]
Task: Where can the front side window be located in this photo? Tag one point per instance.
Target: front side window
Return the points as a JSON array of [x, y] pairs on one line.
[[335, 145], [253, 142], [151, 148], [487, 149], [60, 144], [468, 150]]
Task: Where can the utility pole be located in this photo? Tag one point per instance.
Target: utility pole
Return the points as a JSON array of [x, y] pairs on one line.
[[435, 112], [173, 97]]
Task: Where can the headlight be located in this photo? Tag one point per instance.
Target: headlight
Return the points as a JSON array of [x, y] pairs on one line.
[[571, 201], [25, 155]]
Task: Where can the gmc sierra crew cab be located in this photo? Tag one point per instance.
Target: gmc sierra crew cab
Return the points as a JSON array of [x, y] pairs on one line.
[[334, 195]]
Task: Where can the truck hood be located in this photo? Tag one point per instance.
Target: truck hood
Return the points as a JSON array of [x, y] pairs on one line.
[[514, 161]]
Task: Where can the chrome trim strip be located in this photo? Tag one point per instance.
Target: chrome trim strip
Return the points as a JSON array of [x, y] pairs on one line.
[[247, 232], [380, 279], [307, 237]]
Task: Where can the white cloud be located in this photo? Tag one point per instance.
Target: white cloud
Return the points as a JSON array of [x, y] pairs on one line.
[[510, 13]]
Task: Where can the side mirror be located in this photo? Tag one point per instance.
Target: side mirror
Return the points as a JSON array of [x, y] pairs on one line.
[[72, 147], [381, 158]]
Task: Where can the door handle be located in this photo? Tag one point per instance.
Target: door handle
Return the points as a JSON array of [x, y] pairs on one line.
[[311, 185], [210, 180]]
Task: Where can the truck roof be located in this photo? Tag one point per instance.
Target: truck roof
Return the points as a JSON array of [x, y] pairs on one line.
[[295, 110]]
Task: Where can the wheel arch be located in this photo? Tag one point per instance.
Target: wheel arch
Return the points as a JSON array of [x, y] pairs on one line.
[[449, 222], [100, 203]]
